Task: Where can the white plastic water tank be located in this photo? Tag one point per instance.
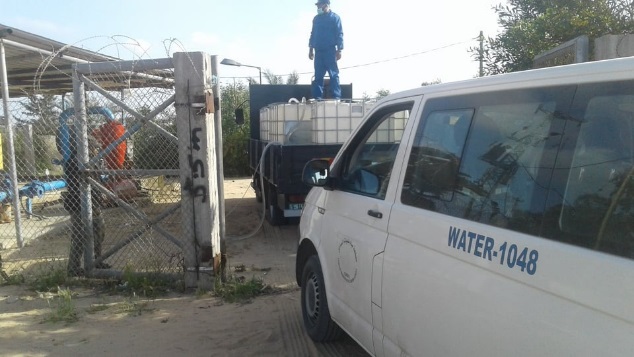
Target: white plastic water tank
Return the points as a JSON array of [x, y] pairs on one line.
[[283, 119], [264, 124], [333, 121]]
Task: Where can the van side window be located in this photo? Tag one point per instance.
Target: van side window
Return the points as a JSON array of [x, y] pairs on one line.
[[497, 178], [483, 163], [368, 166], [598, 199], [437, 150]]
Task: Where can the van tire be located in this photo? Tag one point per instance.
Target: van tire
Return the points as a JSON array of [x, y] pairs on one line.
[[317, 321]]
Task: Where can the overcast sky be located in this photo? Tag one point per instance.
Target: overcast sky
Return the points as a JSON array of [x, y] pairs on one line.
[[393, 45]]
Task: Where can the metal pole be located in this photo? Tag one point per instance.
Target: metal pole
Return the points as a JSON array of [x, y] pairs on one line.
[[481, 54], [12, 165], [218, 142], [81, 130]]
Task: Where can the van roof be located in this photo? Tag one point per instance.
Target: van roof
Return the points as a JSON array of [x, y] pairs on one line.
[[588, 72]]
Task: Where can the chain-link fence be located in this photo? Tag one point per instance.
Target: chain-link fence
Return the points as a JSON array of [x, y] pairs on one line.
[[96, 190]]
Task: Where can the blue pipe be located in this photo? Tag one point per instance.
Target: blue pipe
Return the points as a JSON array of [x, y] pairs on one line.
[[31, 190], [64, 131], [39, 188]]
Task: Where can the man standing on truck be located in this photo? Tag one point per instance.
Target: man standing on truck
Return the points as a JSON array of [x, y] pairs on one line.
[[325, 45]]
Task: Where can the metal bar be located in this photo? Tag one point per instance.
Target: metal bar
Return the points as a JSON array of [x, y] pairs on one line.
[[44, 52], [138, 233], [119, 274], [91, 65], [136, 172], [129, 66], [81, 135], [12, 165], [133, 129], [94, 86], [139, 215]]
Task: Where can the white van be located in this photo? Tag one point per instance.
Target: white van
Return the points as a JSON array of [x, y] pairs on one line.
[[496, 220]]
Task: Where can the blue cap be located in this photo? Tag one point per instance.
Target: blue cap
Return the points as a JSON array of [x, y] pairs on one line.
[[323, 2]]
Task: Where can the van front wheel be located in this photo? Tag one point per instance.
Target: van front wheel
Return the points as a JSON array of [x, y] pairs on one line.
[[317, 321]]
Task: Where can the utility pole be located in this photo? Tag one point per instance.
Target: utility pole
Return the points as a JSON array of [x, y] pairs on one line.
[[481, 38]]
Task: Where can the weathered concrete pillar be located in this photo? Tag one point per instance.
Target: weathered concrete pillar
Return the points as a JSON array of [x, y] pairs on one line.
[[613, 46], [199, 174]]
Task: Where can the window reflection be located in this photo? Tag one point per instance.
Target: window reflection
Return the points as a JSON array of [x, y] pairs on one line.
[[369, 168]]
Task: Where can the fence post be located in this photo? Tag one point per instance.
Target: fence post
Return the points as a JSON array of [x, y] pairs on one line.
[[199, 176], [29, 152], [81, 131], [12, 165]]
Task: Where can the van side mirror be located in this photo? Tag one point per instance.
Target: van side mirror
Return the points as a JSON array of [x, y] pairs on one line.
[[239, 116], [316, 173]]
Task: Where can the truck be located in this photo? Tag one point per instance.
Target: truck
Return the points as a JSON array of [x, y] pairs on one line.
[[290, 131]]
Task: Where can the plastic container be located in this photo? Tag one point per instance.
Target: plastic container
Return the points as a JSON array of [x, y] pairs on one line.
[[334, 121], [391, 130], [285, 119], [264, 124]]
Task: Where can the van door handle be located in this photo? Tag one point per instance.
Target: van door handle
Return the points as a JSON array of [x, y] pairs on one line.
[[375, 214]]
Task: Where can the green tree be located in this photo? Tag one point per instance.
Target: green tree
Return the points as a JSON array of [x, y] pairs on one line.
[[272, 78], [41, 112], [530, 27], [435, 81], [151, 149], [293, 78], [381, 93], [235, 136]]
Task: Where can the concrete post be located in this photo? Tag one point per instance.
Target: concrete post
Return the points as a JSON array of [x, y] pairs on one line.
[[613, 46], [199, 176]]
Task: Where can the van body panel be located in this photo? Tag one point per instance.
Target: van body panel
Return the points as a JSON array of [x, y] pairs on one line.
[[505, 226], [491, 309]]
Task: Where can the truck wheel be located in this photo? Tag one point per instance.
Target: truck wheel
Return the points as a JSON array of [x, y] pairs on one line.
[[317, 321], [274, 214], [257, 188]]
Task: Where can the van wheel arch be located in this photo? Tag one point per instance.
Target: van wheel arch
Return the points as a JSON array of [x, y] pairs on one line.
[[305, 250]]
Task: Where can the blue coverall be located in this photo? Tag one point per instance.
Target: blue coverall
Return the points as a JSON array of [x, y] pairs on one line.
[[326, 38]]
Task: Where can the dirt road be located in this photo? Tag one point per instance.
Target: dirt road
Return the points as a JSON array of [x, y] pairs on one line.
[[180, 324]]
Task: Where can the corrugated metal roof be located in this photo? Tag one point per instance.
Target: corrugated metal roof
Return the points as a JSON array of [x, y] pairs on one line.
[[36, 64]]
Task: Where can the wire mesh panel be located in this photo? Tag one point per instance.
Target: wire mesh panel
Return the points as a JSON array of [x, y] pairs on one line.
[[103, 180], [32, 239], [126, 149], [130, 202]]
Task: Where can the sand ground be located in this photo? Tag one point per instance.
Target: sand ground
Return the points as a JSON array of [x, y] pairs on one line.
[[179, 324]]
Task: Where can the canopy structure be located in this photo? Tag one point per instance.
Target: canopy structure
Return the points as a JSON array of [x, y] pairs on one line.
[[36, 64]]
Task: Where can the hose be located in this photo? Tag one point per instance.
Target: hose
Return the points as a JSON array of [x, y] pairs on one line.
[[258, 167]]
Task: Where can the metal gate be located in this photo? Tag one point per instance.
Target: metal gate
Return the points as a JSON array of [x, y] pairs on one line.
[[141, 187]]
